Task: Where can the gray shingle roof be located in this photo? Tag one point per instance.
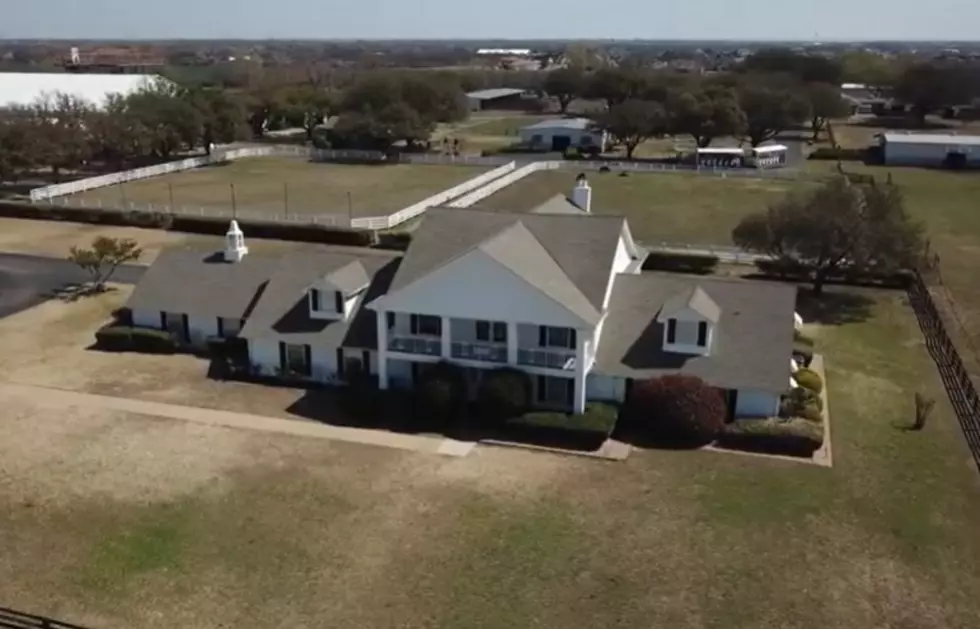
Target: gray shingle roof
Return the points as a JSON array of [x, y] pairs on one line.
[[752, 344], [349, 279], [693, 298], [559, 204], [579, 124], [282, 312], [201, 284], [582, 247], [497, 92]]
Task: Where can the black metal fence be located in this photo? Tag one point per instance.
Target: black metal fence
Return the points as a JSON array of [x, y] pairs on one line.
[[11, 619], [956, 379]]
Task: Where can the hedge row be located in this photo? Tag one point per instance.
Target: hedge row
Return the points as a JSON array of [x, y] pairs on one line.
[[190, 224], [698, 264], [792, 437], [120, 338], [789, 269]]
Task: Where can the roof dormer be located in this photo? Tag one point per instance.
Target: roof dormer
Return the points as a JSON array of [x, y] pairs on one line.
[[336, 293], [689, 319]]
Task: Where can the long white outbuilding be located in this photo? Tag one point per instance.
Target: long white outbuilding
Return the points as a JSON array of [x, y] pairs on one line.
[[931, 149], [25, 88]]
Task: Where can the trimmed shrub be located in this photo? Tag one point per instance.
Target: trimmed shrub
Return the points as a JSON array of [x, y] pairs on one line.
[[795, 403], [809, 379], [113, 338], [680, 263], [504, 393], [812, 412], [838, 153], [598, 418], [440, 394], [152, 341], [792, 437], [678, 409], [120, 338]]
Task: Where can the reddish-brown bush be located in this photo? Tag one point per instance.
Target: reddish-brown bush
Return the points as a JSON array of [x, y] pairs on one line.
[[677, 409]]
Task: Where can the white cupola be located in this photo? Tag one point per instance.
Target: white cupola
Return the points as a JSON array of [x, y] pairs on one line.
[[582, 193], [235, 248]]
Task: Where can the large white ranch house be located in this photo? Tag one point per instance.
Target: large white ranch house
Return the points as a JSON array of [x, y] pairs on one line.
[[558, 293]]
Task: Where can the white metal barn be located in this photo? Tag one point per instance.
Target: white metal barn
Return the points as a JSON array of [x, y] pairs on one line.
[[928, 149], [559, 134], [25, 88]]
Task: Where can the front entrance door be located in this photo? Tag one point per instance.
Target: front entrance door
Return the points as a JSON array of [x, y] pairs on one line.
[[560, 142]]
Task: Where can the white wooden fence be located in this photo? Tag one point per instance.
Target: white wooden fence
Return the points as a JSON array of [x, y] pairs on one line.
[[502, 182], [442, 198]]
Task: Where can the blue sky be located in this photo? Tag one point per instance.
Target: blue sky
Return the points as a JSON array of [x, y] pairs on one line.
[[442, 19]]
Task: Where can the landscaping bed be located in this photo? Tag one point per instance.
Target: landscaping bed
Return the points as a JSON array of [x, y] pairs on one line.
[[587, 431], [790, 437]]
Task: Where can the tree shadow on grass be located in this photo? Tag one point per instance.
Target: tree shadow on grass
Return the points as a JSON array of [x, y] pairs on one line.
[[834, 307], [73, 292], [910, 123]]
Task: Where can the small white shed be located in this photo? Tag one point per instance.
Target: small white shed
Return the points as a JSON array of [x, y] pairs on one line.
[[559, 134]]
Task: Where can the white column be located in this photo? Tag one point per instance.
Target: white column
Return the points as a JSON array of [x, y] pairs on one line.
[[447, 348], [511, 343], [578, 401], [382, 356]]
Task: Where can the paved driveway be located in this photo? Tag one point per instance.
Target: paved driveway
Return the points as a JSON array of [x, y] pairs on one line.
[[26, 281]]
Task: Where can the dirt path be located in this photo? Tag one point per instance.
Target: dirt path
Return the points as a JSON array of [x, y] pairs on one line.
[[60, 398]]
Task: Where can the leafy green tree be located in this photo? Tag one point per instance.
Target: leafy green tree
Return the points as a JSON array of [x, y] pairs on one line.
[[840, 226], [705, 115], [825, 103], [565, 85], [930, 86], [770, 109], [632, 122], [806, 68], [102, 259]]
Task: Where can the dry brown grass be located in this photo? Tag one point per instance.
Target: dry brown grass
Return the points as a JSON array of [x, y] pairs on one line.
[[279, 185], [161, 524]]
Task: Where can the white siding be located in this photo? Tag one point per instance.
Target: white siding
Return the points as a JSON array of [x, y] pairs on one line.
[[264, 354], [924, 154], [324, 363], [756, 404], [477, 287], [605, 388]]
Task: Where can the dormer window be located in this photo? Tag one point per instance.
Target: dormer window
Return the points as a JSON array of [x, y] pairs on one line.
[[689, 319], [319, 301]]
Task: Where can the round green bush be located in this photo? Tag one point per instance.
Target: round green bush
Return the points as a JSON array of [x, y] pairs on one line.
[[504, 393], [812, 412], [795, 403], [809, 379], [682, 410]]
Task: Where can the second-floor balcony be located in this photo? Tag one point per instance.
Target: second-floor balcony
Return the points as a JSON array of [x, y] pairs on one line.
[[487, 352], [550, 358], [424, 345]]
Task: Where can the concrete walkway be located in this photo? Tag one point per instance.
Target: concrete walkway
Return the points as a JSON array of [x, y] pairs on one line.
[[60, 398]]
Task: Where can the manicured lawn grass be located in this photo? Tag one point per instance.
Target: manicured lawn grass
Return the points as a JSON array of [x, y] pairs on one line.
[[289, 530], [274, 185], [677, 208]]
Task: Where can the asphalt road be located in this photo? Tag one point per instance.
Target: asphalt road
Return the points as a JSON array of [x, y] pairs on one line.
[[26, 281]]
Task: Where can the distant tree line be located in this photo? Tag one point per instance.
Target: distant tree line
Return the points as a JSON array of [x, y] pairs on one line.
[[633, 99]]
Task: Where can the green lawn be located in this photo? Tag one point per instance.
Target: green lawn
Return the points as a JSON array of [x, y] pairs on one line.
[[305, 530], [277, 185], [679, 208]]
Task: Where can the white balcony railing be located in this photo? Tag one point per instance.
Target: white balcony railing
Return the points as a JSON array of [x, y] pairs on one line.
[[424, 345], [492, 353], [550, 358]]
